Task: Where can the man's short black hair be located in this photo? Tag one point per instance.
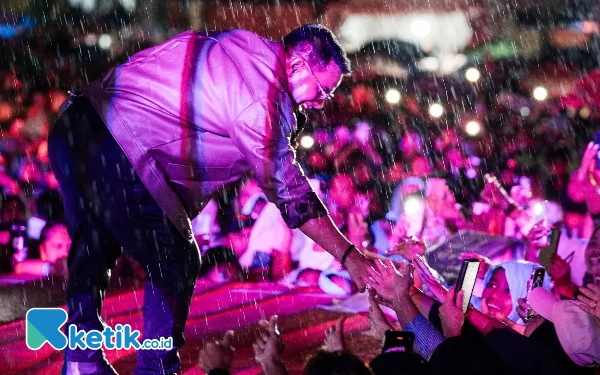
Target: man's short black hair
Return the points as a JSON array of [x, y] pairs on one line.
[[318, 45]]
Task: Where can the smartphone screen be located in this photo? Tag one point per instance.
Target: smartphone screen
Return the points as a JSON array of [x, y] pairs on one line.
[[547, 252], [398, 341], [535, 281], [466, 281]]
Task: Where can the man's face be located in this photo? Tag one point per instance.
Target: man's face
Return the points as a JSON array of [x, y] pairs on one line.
[[311, 86]]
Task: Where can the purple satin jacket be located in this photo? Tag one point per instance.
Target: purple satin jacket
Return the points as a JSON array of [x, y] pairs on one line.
[[199, 111]]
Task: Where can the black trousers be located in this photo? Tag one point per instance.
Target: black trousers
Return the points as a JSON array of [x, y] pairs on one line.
[[107, 209]]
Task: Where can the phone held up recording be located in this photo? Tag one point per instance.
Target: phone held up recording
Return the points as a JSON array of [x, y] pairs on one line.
[[547, 252], [398, 341], [535, 281], [466, 281]]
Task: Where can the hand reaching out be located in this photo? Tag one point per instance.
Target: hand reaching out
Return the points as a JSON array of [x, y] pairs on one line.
[[389, 283], [426, 275], [217, 355], [535, 240], [522, 309], [560, 271], [377, 319], [268, 345], [590, 299], [358, 265], [334, 336], [451, 314]]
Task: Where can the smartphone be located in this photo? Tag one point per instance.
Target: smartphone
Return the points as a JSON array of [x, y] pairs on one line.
[[466, 281], [535, 281], [398, 341], [547, 252], [598, 154]]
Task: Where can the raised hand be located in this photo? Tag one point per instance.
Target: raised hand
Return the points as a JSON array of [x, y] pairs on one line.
[[334, 336], [268, 345], [217, 355], [451, 314], [358, 267], [590, 299], [377, 320], [389, 283], [560, 271], [523, 309], [536, 239]]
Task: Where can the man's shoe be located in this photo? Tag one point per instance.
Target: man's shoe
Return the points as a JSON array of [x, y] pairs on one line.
[[88, 368]]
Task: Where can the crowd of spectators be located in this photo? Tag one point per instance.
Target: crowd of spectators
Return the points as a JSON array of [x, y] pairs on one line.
[[398, 182]]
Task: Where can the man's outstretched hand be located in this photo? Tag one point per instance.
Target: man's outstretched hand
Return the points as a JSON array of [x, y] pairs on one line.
[[358, 267]]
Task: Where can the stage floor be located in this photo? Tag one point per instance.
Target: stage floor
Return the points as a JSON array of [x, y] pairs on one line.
[[213, 311]]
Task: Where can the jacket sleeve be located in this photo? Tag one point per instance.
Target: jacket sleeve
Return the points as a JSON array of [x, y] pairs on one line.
[[261, 133]]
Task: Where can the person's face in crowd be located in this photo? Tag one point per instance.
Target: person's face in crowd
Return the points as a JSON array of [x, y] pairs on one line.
[[57, 244], [238, 241], [223, 273], [421, 167], [311, 86], [342, 191], [592, 255], [497, 294]]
